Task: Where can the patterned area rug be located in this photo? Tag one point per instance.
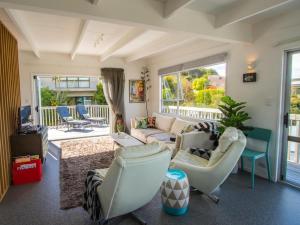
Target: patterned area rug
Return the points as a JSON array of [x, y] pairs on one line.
[[77, 158]]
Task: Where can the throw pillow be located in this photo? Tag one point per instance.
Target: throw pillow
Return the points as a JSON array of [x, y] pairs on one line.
[[201, 152], [209, 127], [141, 123], [151, 121]]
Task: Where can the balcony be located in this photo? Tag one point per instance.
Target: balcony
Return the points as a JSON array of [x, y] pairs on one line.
[[194, 112], [58, 131], [293, 153]]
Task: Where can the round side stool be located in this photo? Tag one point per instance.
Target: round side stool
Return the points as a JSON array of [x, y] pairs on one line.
[[175, 192]]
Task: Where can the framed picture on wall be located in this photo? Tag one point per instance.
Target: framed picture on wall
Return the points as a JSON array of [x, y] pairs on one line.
[[249, 77], [136, 91]]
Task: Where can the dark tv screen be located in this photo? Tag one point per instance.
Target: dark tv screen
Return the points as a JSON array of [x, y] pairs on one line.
[[25, 114]]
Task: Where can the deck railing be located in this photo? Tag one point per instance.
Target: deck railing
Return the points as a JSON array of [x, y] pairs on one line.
[[50, 118], [194, 112], [293, 154]]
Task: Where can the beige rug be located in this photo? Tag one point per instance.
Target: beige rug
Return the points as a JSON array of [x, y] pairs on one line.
[[77, 158]]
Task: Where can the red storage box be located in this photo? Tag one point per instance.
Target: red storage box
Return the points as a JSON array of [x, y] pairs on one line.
[[27, 172]]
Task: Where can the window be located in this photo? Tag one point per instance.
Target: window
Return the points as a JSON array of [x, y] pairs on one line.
[[191, 91], [72, 82]]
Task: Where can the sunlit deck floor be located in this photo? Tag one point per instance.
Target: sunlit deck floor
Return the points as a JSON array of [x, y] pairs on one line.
[[64, 133], [293, 173]]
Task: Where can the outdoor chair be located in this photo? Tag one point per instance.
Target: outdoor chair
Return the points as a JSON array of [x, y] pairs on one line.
[[84, 115], [66, 118]]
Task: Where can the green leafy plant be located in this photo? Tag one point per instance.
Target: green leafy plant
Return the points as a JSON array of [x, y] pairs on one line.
[[234, 116]]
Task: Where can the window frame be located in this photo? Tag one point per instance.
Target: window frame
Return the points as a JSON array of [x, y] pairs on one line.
[[178, 73], [75, 80]]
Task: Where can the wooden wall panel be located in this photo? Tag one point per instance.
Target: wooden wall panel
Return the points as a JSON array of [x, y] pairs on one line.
[[9, 102]]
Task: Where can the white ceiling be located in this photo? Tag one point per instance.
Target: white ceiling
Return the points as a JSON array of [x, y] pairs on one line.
[[42, 32], [210, 6]]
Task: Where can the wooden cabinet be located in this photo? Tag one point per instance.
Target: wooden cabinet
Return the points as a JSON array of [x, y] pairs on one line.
[[30, 144]]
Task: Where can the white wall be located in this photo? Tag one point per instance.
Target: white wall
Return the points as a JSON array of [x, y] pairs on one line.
[[264, 97], [82, 65]]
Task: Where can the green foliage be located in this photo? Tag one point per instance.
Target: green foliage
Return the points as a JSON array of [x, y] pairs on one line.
[[209, 97], [195, 89], [234, 116], [53, 98], [295, 104], [99, 97], [200, 83]]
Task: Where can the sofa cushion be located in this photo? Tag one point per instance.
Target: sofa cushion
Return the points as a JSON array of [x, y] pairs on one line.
[[163, 123], [229, 136], [142, 134], [164, 136], [179, 125], [185, 157]]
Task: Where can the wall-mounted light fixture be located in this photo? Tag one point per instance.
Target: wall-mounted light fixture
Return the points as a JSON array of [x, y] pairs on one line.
[[250, 76]]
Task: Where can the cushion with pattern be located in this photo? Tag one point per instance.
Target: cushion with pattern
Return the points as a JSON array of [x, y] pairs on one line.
[[151, 121], [141, 123]]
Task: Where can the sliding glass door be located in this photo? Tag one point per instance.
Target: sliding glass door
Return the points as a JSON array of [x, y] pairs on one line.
[[291, 153]]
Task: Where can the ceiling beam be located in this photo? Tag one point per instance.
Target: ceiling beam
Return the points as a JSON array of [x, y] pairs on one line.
[[242, 10], [146, 14], [23, 28], [168, 42], [82, 32], [171, 6], [126, 39]]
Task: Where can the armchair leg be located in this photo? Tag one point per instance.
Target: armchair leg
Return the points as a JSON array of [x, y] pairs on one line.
[[103, 222], [214, 198], [139, 219]]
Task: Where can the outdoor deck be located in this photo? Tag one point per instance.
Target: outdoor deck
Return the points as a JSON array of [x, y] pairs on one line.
[[293, 173], [63, 133]]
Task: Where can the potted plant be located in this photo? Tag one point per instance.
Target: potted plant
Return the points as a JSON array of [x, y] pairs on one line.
[[234, 116]]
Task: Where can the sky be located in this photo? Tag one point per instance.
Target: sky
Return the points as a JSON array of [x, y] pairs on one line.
[[220, 68], [296, 66]]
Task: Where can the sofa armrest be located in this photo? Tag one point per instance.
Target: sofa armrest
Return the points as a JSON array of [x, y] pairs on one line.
[[196, 140]]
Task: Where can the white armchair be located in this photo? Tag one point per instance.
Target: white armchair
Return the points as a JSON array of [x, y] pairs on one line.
[[207, 175], [133, 179]]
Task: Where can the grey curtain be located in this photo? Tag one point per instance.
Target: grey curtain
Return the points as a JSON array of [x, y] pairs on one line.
[[113, 88]]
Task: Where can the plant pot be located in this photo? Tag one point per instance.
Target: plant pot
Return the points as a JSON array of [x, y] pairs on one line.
[[235, 169]]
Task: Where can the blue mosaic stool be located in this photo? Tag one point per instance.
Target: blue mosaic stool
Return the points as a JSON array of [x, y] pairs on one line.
[[175, 192]]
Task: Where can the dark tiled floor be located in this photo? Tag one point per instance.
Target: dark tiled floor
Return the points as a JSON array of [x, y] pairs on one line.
[[276, 204]]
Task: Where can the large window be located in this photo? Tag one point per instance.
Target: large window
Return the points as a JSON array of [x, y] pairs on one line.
[[193, 90], [72, 82]]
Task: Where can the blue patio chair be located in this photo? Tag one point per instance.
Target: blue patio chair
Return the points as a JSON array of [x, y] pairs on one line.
[[253, 154], [84, 115], [66, 118]]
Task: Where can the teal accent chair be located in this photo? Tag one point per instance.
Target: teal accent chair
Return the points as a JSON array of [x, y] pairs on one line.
[[262, 135]]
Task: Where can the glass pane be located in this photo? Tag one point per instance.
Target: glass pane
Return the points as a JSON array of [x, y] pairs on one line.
[[72, 82], [169, 93], [201, 90], [84, 82]]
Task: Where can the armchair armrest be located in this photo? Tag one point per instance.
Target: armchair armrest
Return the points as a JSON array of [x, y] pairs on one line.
[[196, 140]]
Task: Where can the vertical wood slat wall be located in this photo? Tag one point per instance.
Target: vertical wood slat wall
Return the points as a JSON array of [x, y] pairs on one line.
[[9, 102]]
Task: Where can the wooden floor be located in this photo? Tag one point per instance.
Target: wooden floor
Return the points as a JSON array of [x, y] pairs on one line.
[[293, 173]]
